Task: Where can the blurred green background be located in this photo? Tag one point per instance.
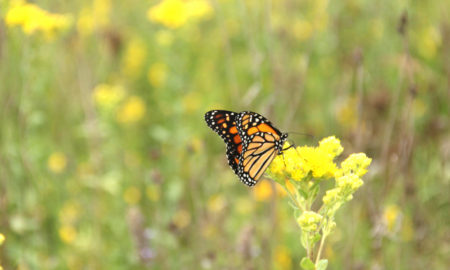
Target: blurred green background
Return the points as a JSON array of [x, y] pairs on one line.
[[106, 162]]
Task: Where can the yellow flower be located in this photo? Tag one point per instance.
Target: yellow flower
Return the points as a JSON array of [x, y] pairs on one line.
[[309, 221], [94, 17], [108, 96], [157, 74], [391, 216], [298, 162], [282, 258], [320, 162], [349, 182], [132, 195], [2, 239], [57, 162], [132, 110], [171, 13], [134, 57], [175, 13], [331, 196], [198, 9], [332, 146], [181, 219], [429, 42], [67, 234], [263, 191], [302, 30], [34, 19], [355, 163]]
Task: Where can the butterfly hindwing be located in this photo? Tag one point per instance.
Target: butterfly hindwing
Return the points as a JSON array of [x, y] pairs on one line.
[[224, 123], [262, 142]]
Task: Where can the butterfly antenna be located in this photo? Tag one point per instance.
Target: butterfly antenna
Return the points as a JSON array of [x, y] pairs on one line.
[[304, 134]]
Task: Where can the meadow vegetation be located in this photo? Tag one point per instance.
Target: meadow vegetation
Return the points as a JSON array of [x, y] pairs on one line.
[[106, 161]]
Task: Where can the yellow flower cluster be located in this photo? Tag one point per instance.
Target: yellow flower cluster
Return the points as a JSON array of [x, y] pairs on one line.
[[134, 57], [94, 17], [309, 221], [348, 180], [108, 96], [175, 13], [132, 110], [68, 216], [57, 162], [34, 19], [298, 163]]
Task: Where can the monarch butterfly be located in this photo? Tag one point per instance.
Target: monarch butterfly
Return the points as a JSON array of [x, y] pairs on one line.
[[252, 141]]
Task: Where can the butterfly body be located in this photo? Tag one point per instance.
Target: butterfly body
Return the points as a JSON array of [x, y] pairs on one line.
[[252, 141]]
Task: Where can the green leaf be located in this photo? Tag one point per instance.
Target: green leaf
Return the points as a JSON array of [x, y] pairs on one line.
[[322, 264], [307, 264], [303, 193], [316, 238]]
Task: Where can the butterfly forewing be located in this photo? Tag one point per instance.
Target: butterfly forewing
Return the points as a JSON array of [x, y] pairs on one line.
[[224, 123]]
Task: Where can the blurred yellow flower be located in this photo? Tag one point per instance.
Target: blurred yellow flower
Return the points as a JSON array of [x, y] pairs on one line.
[[153, 193], [320, 15], [391, 215], [157, 74], [282, 258], [181, 219], [132, 195], [302, 30], [428, 42], [263, 191], [132, 110], [134, 57], [175, 13], [57, 162], [34, 19], [108, 96], [94, 17], [67, 233], [2, 238], [216, 203], [198, 9]]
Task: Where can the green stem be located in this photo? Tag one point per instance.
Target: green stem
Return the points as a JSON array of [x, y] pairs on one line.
[[293, 197], [322, 241]]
